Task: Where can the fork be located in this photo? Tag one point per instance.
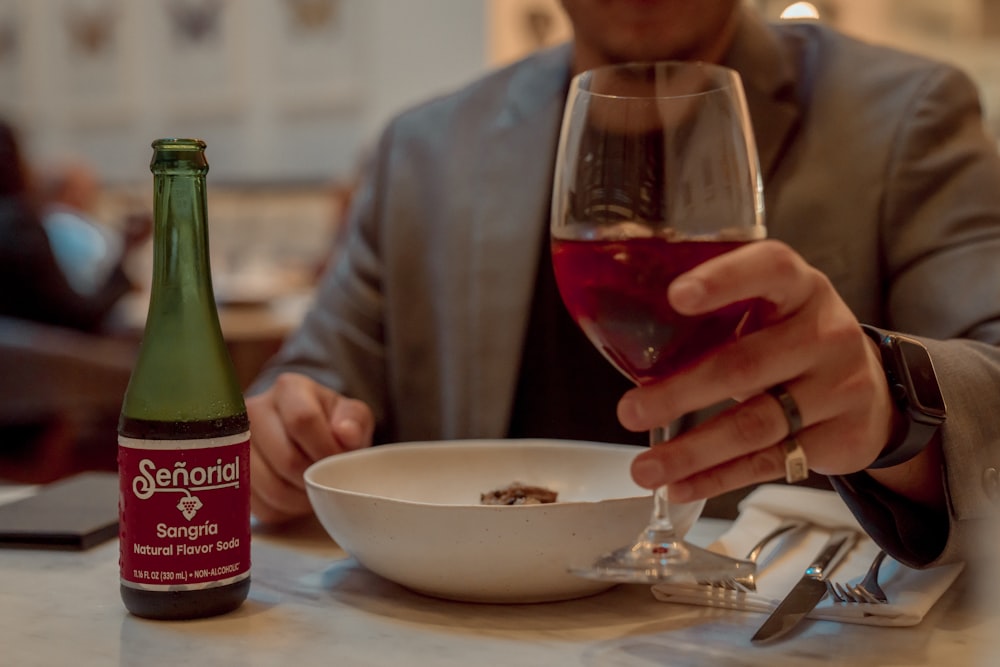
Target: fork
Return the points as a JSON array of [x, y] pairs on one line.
[[868, 591], [748, 582]]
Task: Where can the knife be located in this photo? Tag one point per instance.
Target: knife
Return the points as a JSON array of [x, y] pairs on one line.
[[809, 590]]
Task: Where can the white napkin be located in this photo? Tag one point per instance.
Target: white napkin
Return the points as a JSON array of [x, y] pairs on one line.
[[911, 592]]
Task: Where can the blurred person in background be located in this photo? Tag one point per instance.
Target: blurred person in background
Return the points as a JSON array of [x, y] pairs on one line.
[[33, 285], [87, 248], [441, 319]]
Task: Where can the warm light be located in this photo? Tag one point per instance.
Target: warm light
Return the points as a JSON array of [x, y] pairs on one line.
[[800, 10]]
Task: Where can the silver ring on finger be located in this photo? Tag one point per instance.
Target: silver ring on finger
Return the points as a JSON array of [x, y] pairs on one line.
[[796, 464], [789, 407]]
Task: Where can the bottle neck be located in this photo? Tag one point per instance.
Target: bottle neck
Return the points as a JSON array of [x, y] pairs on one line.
[[181, 266]]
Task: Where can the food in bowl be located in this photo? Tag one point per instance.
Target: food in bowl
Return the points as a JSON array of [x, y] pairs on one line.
[[411, 513], [517, 493]]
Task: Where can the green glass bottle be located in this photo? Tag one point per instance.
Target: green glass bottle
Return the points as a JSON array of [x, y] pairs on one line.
[[183, 435]]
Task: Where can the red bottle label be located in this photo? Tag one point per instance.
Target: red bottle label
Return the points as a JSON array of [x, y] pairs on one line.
[[184, 510]]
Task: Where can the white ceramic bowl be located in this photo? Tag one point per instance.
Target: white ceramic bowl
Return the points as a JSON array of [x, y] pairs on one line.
[[411, 513]]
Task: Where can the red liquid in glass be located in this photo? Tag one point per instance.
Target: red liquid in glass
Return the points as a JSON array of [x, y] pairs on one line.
[[616, 291]]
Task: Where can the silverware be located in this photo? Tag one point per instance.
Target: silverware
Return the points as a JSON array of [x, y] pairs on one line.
[[748, 582], [868, 591], [809, 590]]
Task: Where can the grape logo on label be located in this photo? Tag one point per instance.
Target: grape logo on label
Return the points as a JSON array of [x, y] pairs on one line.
[[189, 506]]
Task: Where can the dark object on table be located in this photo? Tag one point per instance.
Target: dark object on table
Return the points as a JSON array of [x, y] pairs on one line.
[[76, 513]]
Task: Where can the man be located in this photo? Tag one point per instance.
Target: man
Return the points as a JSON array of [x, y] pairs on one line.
[[882, 209]]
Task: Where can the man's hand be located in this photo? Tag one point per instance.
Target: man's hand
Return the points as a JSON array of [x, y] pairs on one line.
[[293, 424], [805, 339]]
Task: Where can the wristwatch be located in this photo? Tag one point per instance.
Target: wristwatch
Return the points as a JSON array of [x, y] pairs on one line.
[[914, 388]]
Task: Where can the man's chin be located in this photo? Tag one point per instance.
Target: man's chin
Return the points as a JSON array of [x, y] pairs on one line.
[[637, 52]]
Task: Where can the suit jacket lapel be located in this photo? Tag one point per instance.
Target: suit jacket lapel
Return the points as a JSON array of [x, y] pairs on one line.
[[769, 83], [513, 185]]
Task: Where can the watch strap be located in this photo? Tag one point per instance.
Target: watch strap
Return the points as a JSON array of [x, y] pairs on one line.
[[909, 435]]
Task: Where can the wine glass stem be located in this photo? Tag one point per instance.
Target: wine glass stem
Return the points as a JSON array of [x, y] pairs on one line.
[[660, 521]]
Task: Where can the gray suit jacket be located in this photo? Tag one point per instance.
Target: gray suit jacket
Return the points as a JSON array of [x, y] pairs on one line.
[[877, 170]]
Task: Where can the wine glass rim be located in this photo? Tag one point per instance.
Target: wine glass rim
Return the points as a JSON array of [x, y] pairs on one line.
[[720, 78]]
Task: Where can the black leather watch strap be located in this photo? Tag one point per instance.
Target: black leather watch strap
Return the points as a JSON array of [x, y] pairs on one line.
[[913, 385]]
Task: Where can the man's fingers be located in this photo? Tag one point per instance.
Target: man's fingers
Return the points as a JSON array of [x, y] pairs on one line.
[[767, 270], [272, 497], [759, 467], [303, 408], [352, 423]]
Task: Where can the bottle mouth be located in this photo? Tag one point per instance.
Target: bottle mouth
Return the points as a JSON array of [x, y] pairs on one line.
[[175, 143], [178, 155]]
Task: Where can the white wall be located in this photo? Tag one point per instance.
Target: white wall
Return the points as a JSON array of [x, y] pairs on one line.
[[260, 122], [269, 118]]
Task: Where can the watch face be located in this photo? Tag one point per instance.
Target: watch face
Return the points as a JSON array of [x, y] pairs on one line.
[[918, 371]]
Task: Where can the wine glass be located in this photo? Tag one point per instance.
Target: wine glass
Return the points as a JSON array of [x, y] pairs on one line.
[[656, 171]]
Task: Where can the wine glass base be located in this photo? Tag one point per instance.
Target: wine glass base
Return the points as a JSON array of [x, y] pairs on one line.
[[655, 558]]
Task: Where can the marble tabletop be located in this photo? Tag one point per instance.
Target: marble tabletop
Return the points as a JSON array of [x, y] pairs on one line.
[[310, 604]]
